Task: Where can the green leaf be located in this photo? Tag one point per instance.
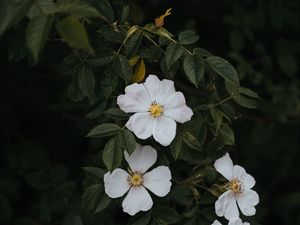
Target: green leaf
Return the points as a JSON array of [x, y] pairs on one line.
[[86, 80], [224, 69], [190, 140], [112, 154], [175, 146], [133, 43], [106, 10], [173, 52], [144, 220], [122, 68], [103, 203], [116, 114], [94, 172], [127, 141], [37, 33], [76, 9], [11, 13], [104, 130], [91, 196], [188, 37], [217, 117], [104, 57], [227, 134], [74, 34], [245, 101], [202, 52], [166, 214], [248, 92], [38, 180], [194, 68]]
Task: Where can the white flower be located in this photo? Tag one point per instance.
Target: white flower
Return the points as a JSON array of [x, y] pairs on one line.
[[239, 190], [233, 221], [118, 182], [157, 106]]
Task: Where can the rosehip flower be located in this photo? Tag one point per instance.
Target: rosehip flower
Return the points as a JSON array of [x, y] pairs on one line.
[[233, 221], [157, 106], [238, 190], [118, 182]]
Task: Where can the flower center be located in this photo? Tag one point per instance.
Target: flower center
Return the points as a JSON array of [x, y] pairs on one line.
[[136, 179], [156, 110], [236, 186]]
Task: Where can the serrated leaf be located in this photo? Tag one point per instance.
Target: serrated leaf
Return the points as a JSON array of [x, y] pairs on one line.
[[37, 33], [133, 42], [245, 101], [139, 72], [116, 114], [127, 141], [106, 10], [94, 172], [86, 80], [112, 154], [227, 134], [188, 37], [103, 203], [104, 130], [144, 220], [202, 52], [12, 12], [224, 69], [74, 34], [194, 68], [175, 146], [173, 52], [248, 92], [91, 195], [190, 140], [76, 9], [122, 68], [217, 117], [103, 58], [166, 214]]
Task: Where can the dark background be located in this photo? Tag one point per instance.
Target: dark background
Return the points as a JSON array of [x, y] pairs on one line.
[[42, 133]]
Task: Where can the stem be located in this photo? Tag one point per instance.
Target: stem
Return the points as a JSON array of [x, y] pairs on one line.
[[221, 102]]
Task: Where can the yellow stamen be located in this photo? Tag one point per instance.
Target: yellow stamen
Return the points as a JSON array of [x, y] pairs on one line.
[[136, 179], [236, 186], [156, 110], [159, 21]]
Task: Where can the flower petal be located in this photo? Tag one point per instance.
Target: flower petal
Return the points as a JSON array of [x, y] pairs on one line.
[[216, 222], [235, 221], [174, 101], [224, 166], [226, 205], [115, 183], [142, 158], [159, 90], [164, 130], [141, 124], [180, 114], [136, 99], [246, 201], [240, 173], [137, 199], [158, 181]]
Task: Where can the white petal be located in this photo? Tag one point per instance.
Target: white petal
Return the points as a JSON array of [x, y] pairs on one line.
[[159, 90], [226, 205], [137, 199], [115, 183], [235, 221], [174, 101], [216, 222], [247, 201], [224, 166], [142, 158], [164, 130], [180, 114], [141, 124], [136, 99], [240, 173], [158, 181]]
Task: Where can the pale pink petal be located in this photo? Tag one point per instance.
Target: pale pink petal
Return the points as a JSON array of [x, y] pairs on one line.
[[142, 158], [224, 166], [137, 199], [181, 114], [164, 130], [247, 201], [115, 183], [141, 124], [226, 205], [158, 181], [240, 173]]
